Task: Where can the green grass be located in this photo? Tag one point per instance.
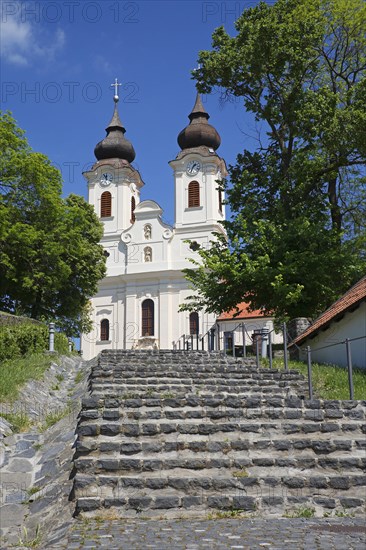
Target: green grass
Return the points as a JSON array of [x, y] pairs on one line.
[[301, 513], [20, 422], [329, 381], [14, 373], [241, 473], [225, 514], [79, 376], [53, 417], [31, 543], [33, 490]]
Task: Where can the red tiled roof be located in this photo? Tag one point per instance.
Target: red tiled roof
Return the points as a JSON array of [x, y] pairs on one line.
[[350, 299], [244, 313]]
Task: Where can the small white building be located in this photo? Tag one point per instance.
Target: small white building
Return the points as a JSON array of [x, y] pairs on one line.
[[137, 304], [326, 336], [240, 325]]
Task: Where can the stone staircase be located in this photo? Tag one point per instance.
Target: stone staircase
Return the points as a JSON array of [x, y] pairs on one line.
[[177, 434]]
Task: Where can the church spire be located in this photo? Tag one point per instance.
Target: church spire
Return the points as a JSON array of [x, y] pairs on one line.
[[198, 109], [199, 132], [115, 145]]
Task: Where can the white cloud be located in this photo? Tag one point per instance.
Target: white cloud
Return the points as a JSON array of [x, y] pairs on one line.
[[22, 43]]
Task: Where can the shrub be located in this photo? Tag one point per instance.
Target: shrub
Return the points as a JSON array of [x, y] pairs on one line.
[[19, 340]]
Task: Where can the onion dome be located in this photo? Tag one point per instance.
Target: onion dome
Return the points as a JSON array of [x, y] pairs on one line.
[[115, 145], [199, 132]]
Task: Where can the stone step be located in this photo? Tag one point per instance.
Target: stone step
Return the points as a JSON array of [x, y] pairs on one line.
[[124, 493], [190, 461], [252, 447], [195, 506], [222, 400], [174, 378], [118, 389], [142, 371], [112, 483], [213, 414], [135, 429], [179, 432]]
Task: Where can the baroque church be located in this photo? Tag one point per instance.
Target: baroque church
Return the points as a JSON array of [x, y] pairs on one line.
[[137, 304]]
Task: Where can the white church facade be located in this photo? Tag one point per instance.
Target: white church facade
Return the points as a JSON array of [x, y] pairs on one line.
[[137, 304]]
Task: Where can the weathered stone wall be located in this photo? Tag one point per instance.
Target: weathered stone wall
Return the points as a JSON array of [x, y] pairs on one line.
[[8, 319], [295, 327]]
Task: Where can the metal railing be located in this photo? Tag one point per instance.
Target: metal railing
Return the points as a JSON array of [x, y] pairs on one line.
[[347, 343]]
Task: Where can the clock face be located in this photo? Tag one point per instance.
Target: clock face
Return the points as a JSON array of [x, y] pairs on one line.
[[106, 179], [193, 167]]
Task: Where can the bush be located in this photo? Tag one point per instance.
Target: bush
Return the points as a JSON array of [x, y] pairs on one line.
[[27, 338]]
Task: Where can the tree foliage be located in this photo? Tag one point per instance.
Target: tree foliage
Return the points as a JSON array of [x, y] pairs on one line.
[[297, 234], [50, 259]]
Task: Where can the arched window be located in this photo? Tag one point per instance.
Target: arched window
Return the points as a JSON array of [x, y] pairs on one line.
[[148, 318], [133, 206], [106, 205], [104, 330], [193, 194], [193, 323]]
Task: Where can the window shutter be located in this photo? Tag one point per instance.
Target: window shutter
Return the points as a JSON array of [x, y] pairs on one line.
[[193, 194], [106, 205]]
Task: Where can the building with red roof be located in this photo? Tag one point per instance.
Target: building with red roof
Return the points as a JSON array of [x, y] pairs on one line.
[[326, 336]]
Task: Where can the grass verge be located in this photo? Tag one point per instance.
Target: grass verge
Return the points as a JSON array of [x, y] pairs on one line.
[[20, 422], [329, 381], [16, 372]]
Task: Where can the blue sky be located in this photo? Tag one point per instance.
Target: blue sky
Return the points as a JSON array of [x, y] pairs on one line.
[[58, 59]]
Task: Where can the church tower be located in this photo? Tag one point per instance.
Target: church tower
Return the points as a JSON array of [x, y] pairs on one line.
[[138, 301], [198, 198], [113, 183]]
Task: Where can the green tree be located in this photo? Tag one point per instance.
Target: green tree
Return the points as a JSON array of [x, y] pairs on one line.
[[297, 233], [50, 259]]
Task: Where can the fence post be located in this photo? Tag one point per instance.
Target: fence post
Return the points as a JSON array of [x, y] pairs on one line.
[[264, 337], [270, 348], [51, 346], [257, 351], [244, 344], [285, 346], [310, 378], [233, 333], [349, 366], [212, 338]]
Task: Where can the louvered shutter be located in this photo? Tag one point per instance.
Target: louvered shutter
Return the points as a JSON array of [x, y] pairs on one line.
[[106, 205], [193, 194]]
